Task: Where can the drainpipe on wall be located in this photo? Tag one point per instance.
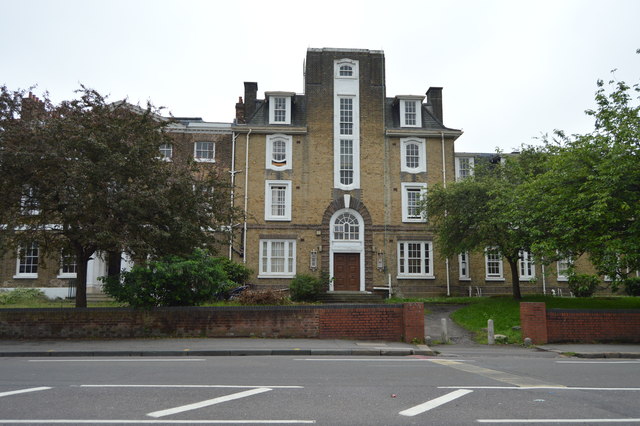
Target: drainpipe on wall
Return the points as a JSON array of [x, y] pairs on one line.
[[444, 183], [233, 172], [246, 199]]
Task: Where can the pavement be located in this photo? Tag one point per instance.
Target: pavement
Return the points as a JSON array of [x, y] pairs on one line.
[[291, 347]]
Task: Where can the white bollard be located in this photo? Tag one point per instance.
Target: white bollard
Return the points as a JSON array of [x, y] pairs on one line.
[[491, 338], [445, 336]]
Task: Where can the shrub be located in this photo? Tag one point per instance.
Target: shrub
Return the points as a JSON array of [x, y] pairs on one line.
[[21, 295], [263, 297], [632, 286], [236, 272], [583, 285], [173, 281], [306, 288]]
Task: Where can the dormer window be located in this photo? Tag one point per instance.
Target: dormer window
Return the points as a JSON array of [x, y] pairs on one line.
[[410, 111], [279, 107]]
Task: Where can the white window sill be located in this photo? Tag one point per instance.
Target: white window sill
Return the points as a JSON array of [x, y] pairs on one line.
[[525, 279], [405, 220], [464, 279], [204, 160], [25, 276], [283, 276], [494, 279], [66, 276], [562, 279], [416, 277], [277, 219]]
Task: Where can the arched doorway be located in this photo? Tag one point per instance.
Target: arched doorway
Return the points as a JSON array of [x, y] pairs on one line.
[[346, 254]]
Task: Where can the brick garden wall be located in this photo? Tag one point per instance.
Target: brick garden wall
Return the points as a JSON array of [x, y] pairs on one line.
[[578, 325], [356, 322]]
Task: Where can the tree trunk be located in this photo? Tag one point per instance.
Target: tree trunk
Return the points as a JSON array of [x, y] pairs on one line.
[[515, 277], [82, 259]]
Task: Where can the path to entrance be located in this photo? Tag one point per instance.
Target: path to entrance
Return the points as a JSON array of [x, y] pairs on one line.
[[433, 324]]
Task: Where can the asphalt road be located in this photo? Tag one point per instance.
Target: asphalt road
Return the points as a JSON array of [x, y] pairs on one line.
[[521, 387]]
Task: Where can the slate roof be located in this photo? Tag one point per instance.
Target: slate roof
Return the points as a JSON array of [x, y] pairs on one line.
[[298, 113]]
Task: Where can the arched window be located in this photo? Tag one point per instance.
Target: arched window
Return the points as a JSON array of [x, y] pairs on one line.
[[412, 155], [279, 152], [346, 227], [346, 71]]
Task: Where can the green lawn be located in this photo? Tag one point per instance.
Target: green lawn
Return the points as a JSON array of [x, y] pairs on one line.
[[505, 312]]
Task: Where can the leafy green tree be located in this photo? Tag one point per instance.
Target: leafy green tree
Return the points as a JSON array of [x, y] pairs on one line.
[[589, 199], [85, 176], [487, 211]]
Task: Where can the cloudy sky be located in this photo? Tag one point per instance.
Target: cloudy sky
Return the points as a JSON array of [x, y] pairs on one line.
[[511, 70]]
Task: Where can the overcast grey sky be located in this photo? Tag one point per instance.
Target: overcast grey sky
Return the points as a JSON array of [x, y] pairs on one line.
[[511, 70]]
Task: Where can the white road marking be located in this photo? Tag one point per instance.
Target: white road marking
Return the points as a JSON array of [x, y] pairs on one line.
[[16, 392], [193, 386], [538, 388], [184, 422], [366, 359], [208, 402], [426, 406], [599, 362], [121, 360], [558, 420]]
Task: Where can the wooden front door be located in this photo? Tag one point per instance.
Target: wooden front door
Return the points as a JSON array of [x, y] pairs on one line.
[[346, 272]]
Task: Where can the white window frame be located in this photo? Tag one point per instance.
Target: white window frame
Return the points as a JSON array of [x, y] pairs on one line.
[[272, 108], [459, 168], [348, 62], [496, 257], [270, 163], [204, 159], [29, 204], [266, 258], [417, 102], [166, 151], [562, 268], [268, 200], [61, 272], [422, 152], [464, 273], [406, 188], [526, 266], [426, 260], [19, 263]]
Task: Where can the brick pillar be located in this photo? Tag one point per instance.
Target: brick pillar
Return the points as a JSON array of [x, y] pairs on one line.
[[533, 320], [413, 322]]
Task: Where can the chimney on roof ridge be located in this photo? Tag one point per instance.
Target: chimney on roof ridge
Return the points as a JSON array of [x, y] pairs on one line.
[[250, 94], [240, 111], [434, 98]]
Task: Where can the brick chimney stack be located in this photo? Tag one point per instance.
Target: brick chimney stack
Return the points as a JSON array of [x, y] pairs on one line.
[[434, 99], [250, 94], [240, 112]]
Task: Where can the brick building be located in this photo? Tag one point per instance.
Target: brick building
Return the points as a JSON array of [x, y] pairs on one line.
[[207, 143], [331, 179]]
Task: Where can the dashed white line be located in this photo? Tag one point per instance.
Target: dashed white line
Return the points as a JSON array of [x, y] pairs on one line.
[[121, 360], [193, 386], [16, 392], [208, 402], [558, 421], [183, 422], [429, 405]]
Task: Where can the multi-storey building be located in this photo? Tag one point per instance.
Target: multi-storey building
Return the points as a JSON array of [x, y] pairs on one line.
[[331, 180], [206, 143]]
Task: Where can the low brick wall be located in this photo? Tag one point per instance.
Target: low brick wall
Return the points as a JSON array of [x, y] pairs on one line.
[[357, 322], [578, 325]]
